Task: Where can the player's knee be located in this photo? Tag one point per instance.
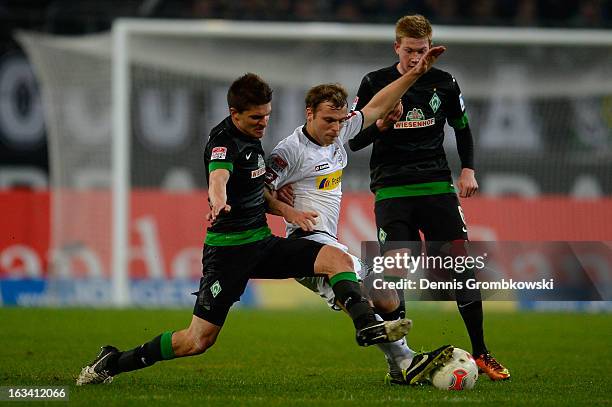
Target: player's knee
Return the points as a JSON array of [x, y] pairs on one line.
[[332, 261], [345, 262], [385, 301]]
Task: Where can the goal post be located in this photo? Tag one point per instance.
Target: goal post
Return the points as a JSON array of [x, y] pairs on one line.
[[121, 91], [162, 84]]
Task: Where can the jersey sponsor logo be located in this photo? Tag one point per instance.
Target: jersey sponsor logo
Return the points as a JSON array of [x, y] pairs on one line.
[[435, 102], [218, 153], [338, 154], [261, 167], [258, 172], [321, 167], [329, 181], [414, 119], [415, 115]]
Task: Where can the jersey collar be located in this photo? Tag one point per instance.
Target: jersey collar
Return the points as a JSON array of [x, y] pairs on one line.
[[309, 137]]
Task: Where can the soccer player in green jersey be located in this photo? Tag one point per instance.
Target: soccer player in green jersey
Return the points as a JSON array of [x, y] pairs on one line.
[[408, 169], [239, 244]]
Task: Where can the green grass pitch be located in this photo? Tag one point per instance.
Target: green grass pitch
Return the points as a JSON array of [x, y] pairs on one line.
[[308, 357]]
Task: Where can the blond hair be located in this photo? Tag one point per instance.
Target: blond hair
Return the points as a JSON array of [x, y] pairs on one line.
[[413, 26]]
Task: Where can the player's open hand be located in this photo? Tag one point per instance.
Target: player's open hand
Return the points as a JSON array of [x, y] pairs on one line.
[[306, 220], [285, 194], [467, 183], [429, 59]]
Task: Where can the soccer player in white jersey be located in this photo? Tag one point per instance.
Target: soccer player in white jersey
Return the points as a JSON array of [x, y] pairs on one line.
[[312, 160]]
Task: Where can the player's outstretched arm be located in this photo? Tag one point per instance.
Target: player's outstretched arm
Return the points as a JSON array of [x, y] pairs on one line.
[[304, 219], [217, 193], [387, 97]]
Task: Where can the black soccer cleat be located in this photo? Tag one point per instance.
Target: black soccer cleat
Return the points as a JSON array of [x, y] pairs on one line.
[[395, 379], [383, 331], [424, 363], [97, 371]]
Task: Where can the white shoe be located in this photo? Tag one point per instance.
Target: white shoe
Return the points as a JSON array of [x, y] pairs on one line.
[[96, 372]]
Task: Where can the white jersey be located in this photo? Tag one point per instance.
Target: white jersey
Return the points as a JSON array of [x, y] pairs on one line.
[[315, 172]]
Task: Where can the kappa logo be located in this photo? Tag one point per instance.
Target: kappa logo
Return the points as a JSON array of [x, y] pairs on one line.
[[414, 119], [215, 289], [218, 153]]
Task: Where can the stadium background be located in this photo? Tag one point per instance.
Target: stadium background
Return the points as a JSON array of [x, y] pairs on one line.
[[543, 149]]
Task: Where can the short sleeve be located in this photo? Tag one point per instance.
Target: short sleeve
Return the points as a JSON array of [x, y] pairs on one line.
[[220, 154], [279, 165], [352, 126]]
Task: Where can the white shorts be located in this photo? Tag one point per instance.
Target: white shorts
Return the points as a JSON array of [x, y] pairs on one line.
[[320, 285]]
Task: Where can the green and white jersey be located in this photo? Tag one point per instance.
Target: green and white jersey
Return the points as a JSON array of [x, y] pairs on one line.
[[315, 172]]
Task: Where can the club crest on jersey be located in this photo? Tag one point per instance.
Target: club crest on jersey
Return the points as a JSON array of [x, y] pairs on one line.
[[215, 289], [218, 153], [350, 114], [329, 181], [261, 167], [354, 106], [270, 176], [435, 102], [382, 235], [414, 119]]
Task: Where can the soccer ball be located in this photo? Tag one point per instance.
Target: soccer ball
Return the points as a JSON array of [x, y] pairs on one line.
[[459, 373]]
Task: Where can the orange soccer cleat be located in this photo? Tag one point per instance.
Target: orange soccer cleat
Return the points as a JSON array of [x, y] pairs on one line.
[[489, 365]]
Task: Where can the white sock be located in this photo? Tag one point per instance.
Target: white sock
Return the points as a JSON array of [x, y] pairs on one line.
[[398, 354]]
